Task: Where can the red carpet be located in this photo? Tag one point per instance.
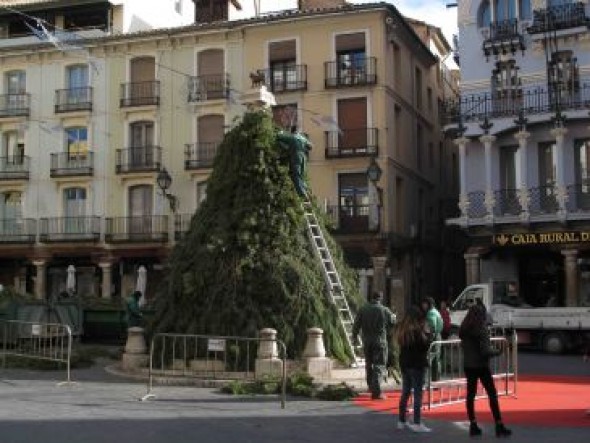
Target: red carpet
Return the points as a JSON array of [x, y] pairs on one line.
[[542, 401]]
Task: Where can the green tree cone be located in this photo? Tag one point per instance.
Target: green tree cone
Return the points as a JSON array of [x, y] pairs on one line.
[[246, 262]]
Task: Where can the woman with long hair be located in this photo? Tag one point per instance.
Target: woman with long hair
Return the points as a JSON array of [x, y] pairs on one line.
[[477, 351], [413, 339]]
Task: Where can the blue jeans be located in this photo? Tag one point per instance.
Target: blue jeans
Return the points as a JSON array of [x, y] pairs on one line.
[[412, 380]]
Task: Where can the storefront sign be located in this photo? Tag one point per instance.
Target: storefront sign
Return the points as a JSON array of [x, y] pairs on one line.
[[541, 238]]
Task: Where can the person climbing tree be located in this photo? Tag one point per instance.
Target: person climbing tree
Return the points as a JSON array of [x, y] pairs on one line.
[[297, 146]]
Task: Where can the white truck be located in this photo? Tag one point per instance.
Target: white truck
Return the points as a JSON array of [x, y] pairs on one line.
[[554, 329]]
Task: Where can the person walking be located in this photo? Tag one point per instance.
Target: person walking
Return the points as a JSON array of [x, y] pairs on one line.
[[413, 339], [374, 321], [434, 322], [477, 351]]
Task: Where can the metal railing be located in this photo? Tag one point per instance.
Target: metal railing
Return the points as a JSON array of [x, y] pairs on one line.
[[200, 155], [543, 200], [14, 167], [451, 385], [37, 341], [15, 105], [208, 87], [554, 18], [362, 142], [140, 94], [477, 207], [578, 197], [352, 219], [213, 358], [68, 229], [148, 228], [503, 30], [507, 202], [285, 78], [64, 164], [73, 99], [362, 71], [21, 230], [139, 159]]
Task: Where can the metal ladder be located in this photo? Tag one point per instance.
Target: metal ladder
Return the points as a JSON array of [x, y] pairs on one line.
[[331, 276]]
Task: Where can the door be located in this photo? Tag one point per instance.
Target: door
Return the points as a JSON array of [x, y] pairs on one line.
[[143, 75], [77, 147], [74, 211], [352, 120], [211, 75], [210, 134], [582, 188], [547, 200], [353, 192], [77, 84], [15, 88], [11, 214], [141, 150], [13, 151], [509, 202], [140, 210]]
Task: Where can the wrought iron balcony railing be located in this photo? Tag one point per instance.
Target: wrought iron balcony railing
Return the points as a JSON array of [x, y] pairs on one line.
[[64, 164], [148, 228], [530, 99], [504, 37], [200, 155], [285, 78], [69, 229], [578, 197], [14, 167], [15, 105], [507, 202], [361, 142], [139, 159], [353, 219], [477, 205], [543, 200], [73, 99], [358, 73], [208, 87], [18, 230], [554, 18], [182, 224], [140, 94]]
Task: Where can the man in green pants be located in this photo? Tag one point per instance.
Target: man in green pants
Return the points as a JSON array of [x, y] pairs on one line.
[[374, 321], [298, 146]]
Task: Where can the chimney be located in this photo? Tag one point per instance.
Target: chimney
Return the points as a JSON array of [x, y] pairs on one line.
[[319, 4]]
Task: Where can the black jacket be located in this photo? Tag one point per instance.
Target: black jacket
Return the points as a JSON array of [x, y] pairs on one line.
[[477, 348], [415, 353]]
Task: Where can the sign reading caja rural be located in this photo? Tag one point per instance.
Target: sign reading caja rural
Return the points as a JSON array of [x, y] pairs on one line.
[[541, 238]]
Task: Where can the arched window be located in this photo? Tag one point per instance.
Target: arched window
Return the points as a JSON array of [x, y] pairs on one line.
[[485, 14], [504, 10], [524, 11]]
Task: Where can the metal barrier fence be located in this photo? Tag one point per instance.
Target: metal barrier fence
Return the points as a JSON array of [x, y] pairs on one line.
[[38, 341], [451, 386], [208, 357]]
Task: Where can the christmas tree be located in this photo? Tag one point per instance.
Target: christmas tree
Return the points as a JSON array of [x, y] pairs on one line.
[[246, 262]]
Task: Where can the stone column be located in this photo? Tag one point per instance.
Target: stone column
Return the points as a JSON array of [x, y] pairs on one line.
[[472, 268], [316, 363], [463, 197], [571, 277], [490, 200], [560, 189], [267, 359], [107, 279], [379, 265], [40, 279], [523, 186], [135, 356]]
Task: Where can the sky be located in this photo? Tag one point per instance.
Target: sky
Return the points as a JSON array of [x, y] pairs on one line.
[[433, 12]]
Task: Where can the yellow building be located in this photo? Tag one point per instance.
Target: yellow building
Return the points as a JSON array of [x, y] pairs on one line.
[[87, 130]]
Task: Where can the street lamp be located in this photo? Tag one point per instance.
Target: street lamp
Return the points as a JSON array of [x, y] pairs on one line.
[[164, 181], [374, 172]]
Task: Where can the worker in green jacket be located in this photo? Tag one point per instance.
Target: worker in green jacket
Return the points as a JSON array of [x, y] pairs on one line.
[[374, 321], [298, 146], [435, 324], [134, 314]]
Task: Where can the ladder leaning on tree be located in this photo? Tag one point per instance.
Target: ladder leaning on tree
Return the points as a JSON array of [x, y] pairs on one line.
[[333, 282]]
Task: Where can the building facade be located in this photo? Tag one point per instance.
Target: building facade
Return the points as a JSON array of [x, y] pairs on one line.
[[97, 126], [521, 126]]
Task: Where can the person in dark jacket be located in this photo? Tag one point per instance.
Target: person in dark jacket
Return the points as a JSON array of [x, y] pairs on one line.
[[413, 338], [477, 351], [374, 321]]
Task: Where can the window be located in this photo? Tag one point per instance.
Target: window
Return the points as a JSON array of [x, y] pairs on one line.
[[10, 206], [429, 98], [352, 120], [503, 10], [564, 76], [468, 299], [506, 87], [508, 167], [485, 14], [77, 143], [547, 176], [431, 154], [74, 210], [178, 6], [285, 116], [140, 209], [77, 76], [418, 84], [141, 151], [353, 197], [419, 142], [15, 82], [13, 149], [582, 171]]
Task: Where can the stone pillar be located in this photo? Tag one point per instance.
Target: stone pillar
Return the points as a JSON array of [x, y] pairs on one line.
[[316, 363], [267, 358], [571, 277], [135, 356], [379, 274], [364, 283], [490, 200], [472, 268], [523, 186], [560, 189], [107, 279], [463, 197], [40, 279]]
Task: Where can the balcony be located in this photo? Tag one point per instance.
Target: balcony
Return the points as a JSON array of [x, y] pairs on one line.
[[69, 229], [64, 164], [352, 143], [353, 219], [139, 159], [503, 37], [531, 99], [287, 78], [14, 231], [558, 17], [507, 203], [14, 167], [72, 100], [200, 155], [138, 229], [339, 75], [140, 94], [182, 224], [15, 105], [579, 197], [208, 87]]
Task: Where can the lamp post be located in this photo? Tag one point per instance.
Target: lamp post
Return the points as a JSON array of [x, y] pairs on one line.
[[164, 181], [374, 172]]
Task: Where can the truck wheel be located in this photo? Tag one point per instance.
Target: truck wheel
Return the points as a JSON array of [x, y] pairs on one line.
[[554, 343]]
